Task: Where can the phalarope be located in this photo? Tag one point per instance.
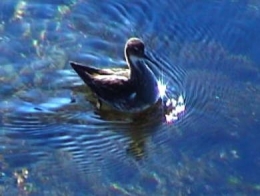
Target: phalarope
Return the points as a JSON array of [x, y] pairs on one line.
[[130, 90]]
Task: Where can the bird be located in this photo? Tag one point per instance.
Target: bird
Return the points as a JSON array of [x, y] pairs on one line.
[[130, 90]]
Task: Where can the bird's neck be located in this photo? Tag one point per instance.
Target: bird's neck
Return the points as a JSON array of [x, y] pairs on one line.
[[137, 67], [144, 80]]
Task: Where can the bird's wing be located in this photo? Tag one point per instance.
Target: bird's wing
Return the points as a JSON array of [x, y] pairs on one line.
[[88, 69], [109, 88], [108, 84]]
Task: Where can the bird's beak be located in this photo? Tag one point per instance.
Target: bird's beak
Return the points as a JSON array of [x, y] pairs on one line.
[[146, 57]]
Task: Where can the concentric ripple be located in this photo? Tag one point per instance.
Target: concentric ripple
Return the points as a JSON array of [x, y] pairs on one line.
[[65, 118], [210, 104]]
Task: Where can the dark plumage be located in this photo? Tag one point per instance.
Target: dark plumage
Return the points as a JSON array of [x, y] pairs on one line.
[[129, 90]]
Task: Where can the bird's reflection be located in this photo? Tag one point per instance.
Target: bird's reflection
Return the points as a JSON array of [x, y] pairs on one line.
[[138, 127]]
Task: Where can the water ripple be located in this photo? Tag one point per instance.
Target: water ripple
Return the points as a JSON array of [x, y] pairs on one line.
[[45, 107]]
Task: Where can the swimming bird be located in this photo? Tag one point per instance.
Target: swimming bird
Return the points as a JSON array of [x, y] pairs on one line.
[[130, 90]]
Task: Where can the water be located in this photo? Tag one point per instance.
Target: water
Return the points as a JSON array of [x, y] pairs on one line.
[[55, 142]]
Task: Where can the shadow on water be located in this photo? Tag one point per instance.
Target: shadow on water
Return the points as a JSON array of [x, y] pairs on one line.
[[50, 125]]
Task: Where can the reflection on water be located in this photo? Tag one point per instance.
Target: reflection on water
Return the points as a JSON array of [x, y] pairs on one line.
[[53, 137]]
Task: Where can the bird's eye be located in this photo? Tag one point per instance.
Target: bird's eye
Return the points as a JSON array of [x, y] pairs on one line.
[[136, 48]]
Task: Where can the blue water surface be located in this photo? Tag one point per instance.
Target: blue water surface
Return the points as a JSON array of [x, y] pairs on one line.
[[54, 141]]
